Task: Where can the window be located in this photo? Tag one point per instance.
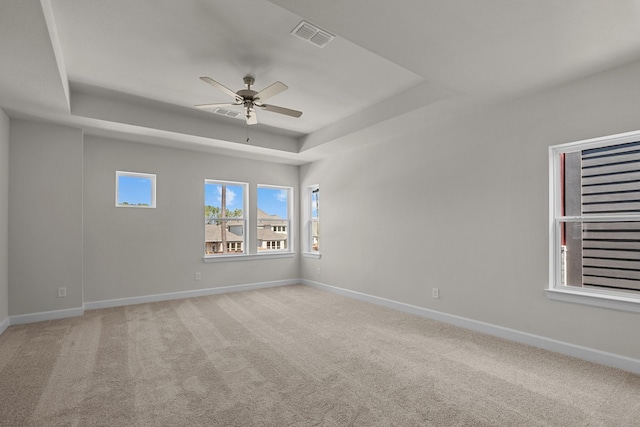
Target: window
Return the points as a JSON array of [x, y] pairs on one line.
[[311, 222], [595, 215], [276, 244], [135, 190], [314, 219], [274, 213], [234, 246], [224, 217]]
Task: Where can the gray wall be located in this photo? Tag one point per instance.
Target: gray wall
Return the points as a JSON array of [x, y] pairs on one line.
[[45, 217], [463, 206], [132, 252], [4, 216]]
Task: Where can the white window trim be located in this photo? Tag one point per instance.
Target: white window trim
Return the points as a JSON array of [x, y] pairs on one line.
[[247, 257], [150, 176], [245, 218], [586, 296], [315, 255], [594, 298], [289, 219]]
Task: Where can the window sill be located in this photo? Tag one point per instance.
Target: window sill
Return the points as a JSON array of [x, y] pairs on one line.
[[315, 255], [136, 206], [247, 257], [595, 298]]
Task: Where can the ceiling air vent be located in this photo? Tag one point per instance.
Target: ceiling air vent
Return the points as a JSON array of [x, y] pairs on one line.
[[312, 34], [229, 113]]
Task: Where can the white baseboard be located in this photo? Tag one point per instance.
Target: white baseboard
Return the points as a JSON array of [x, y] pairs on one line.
[[585, 353], [4, 325], [45, 315], [92, 305], [74, 312]]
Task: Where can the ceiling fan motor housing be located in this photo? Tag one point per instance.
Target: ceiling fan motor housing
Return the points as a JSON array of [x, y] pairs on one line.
[[247, 94]]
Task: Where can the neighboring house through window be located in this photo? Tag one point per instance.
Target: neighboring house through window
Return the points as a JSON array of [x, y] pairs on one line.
[[224, 217], [274, 213], [595, 211]]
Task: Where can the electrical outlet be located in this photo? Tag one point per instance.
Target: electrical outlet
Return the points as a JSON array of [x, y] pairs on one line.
[[198, 276], [62, 292], [318, 271], [435, 292]]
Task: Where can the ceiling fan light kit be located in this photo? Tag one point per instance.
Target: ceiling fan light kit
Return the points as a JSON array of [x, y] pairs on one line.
[[249, 99]]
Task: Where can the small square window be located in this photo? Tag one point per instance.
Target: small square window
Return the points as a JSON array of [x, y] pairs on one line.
[[135, 189]]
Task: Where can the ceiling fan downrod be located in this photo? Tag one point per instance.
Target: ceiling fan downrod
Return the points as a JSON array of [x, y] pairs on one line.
[[249, 81]]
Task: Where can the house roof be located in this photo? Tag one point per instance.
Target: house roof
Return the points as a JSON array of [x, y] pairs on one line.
[[268, 234], [263, 215], [213, 234]]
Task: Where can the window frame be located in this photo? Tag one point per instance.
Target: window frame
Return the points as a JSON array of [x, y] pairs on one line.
[[612, 299], [245, 206], [150, 176], [289, 222], [307, 213]]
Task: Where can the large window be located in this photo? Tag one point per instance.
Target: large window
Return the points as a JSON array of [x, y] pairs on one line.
[[274, 213], [224, 217], [135, 189], [595, 211]]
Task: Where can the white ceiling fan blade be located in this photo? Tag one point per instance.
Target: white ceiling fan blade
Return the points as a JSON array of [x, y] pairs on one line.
[[252, 119], [281, 110], [219, 86], [272, 90], [224, 104]]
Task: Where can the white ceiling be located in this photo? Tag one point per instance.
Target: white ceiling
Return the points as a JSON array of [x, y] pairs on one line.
[[131, 68]]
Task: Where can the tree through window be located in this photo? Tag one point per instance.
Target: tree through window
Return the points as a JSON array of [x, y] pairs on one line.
[[224, 217]]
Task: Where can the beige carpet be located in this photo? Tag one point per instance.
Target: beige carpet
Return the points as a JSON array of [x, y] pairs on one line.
[[292, 356]]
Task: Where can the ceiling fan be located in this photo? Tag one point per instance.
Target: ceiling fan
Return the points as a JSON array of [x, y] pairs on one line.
[[249, 99]]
